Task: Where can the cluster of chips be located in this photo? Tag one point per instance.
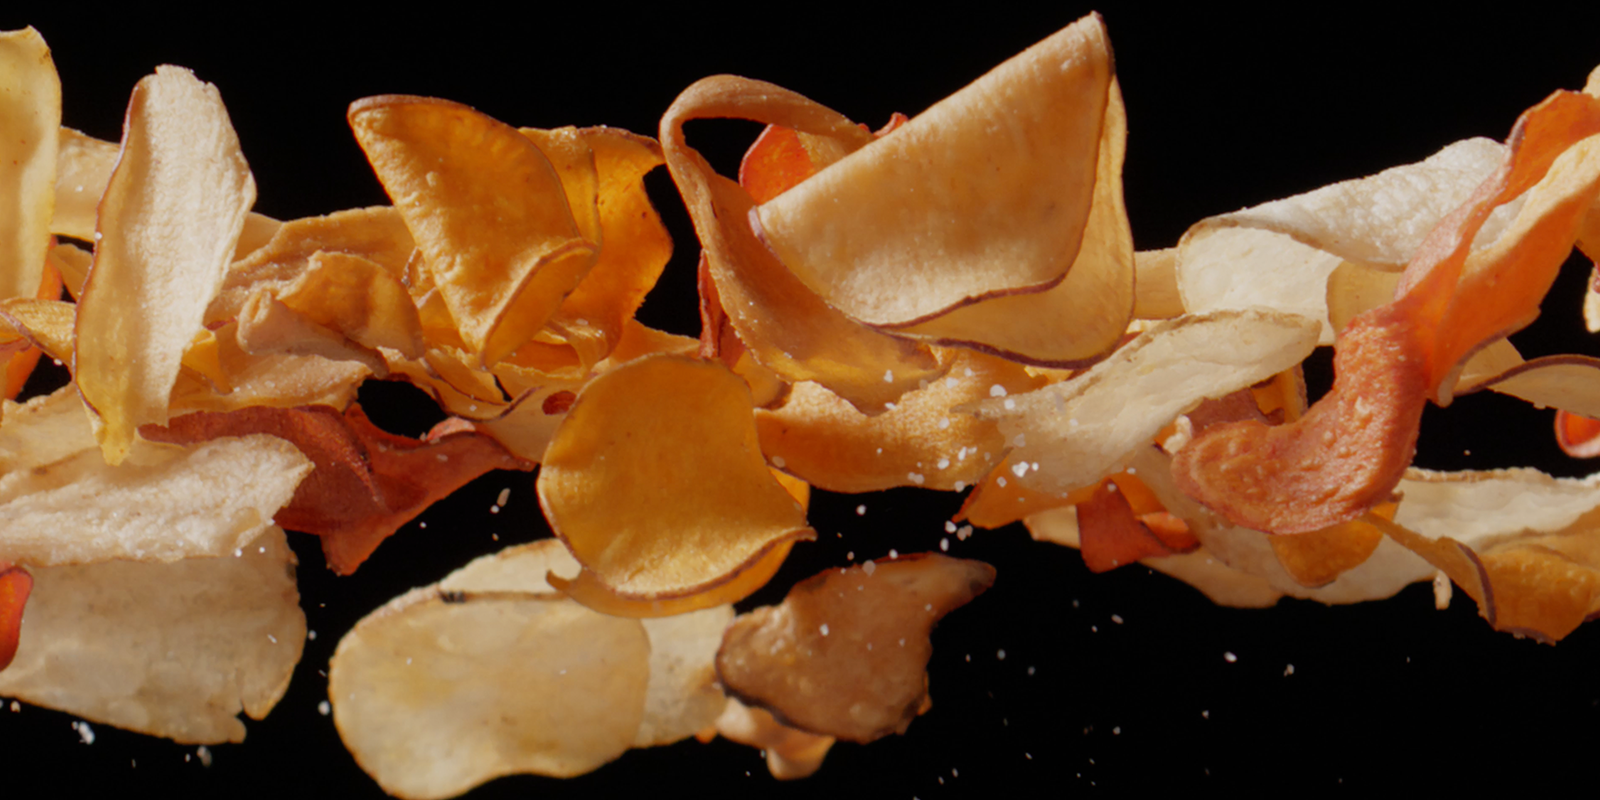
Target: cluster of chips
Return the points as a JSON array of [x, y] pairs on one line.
[[951, 302]]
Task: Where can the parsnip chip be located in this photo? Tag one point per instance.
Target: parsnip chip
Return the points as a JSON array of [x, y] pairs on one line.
[[15, 585], [173, 650], [992, 189], [846, 653], [30, 115], [819, 437], [486, 209], [675, 437], [791, 753], [168, 226], [61, 504], [1080, 430], [367, 482], [438, 692], [788, 328], [83, 168], [1350, 450]]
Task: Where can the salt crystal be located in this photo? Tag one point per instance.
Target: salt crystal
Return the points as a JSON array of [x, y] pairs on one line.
[[997, 391], [1011, 405], [1288, 670], [1019, 470], [888, 376], [1019, 441], [850, 556], [1117, 618], [869, 567], [85, 733], [966, 530], [944, 422], [944, 463], [1205, 714], [824, 629], [961, 485], [970, 373], [894, 553], [944, 544], [205, 755], [1001, 655], [1229, 657], [861, 511], [916, 477], [16, 707], [949, 526], [505, 494], [777, 461], [272, 638], [422, 524], [1117, 731], [494, 509], [1001, 481], [324, 709]]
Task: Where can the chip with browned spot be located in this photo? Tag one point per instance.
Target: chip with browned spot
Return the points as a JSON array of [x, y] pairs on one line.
[[846, 653]]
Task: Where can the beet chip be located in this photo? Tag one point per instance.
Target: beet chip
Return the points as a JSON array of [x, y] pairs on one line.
[[367, 482]]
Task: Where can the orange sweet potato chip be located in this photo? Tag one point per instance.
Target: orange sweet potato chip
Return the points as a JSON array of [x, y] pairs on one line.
[[15, 583], [367, 482], [487, 210], [1578, 436], [846, 653], [656, 482]]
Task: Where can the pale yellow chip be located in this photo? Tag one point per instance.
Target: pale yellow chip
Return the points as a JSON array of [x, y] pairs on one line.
[[656, 482], [168, 227], [438, 692], [30, 115], [988, 192], [1080, 430], [1279, 255], [202, 639], [487, 210], [83, 168]]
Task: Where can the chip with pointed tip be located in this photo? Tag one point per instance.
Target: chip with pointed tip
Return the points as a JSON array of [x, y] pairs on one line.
[[846, 653]]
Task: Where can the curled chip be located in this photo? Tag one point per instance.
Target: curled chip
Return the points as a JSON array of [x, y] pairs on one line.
[[846, 653], [656, 482]]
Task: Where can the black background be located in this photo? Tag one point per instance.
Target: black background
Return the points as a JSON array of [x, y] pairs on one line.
[[1227, 108]]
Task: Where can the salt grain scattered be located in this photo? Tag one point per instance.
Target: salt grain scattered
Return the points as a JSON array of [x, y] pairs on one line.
[[1019, 441], [1030, 670], [949, 526], [894, 553], [505, 494], [1011, 405], [861, 511], [944, 422], [1001, 481], [1288, 670], [85, 733], [311, 636], [824, 629], [1019, 470], [1205, 714], [204, 753], [1117, 731], [869, 567], [888, 376], [1000, 655], [916, 477], [997, 391], [777, 461], [944, 544], [16, 707], [1117, 618], [1229, 657], [324, 709]]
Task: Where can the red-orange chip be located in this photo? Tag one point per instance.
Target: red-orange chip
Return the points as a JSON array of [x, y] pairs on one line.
[[15, 584]]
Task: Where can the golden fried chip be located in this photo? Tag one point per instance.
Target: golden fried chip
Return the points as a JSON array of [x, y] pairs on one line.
[[1315, 559], [846, 653], [656, 480], [83, 168], [204, 639], [438, 692], [824, 440], [168, 226], [1019, 193], [487, 211], [1078, 320], [788, 328], [30, 115]]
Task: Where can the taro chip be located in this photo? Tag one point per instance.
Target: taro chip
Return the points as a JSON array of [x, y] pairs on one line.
[[846, 653], [656, 481], [487, 210], [206, 638], [30, 115], [168, 226]]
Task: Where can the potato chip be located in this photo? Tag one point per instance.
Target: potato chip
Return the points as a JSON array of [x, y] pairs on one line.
[[168, 226], [1019, 194], [487, 210], [30, 115], [207, 638], [436, 693], [83, 168], [788, 328], [655, 480], [846, 653]]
